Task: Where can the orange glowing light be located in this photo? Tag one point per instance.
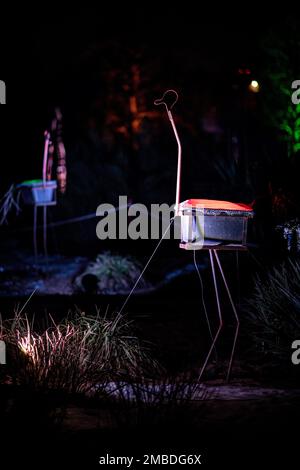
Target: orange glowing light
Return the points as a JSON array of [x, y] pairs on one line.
[[254, 86], [218, 205]]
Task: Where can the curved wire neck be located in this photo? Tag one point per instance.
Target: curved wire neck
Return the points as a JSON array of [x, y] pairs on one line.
[[169, 99]]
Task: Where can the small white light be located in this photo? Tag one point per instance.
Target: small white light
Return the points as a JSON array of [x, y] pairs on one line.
[[254, 86]]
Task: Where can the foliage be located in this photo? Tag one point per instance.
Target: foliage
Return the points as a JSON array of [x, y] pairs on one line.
[[281, 67], [74, 356], [165, 401], [9, 201], [110, 274], [273, 313]]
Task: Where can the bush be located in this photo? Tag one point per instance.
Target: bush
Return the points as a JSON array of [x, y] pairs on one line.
[[273, 313], [74, 356], [146, 403], [110, 274]]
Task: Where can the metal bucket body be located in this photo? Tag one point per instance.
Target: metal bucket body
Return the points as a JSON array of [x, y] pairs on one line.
[[39, 193], [214, 220]]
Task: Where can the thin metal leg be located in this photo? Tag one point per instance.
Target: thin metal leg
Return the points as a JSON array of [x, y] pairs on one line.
[[219, 313], [45, 230], [34, 231], [235, 314], [238, 296], [203, 301]]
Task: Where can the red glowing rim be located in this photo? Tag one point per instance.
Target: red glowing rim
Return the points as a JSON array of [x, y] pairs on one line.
[[217, 205]]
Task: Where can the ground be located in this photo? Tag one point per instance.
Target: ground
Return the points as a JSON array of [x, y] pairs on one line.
[[249, 420]]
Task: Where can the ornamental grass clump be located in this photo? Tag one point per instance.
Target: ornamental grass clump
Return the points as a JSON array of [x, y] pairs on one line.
[[78, 355], [273, 313]]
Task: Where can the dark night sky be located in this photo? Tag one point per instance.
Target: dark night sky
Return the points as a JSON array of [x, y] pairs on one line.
[[53, 56], [40, 47]]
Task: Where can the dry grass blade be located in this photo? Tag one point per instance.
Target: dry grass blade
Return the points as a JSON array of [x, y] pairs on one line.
[[74, 356]]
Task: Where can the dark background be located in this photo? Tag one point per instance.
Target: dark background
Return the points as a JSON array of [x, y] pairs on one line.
[[74, 58], [90, 61]]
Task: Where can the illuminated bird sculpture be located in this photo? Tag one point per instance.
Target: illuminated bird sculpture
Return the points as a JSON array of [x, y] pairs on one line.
[[206, 225], [41, 192]]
